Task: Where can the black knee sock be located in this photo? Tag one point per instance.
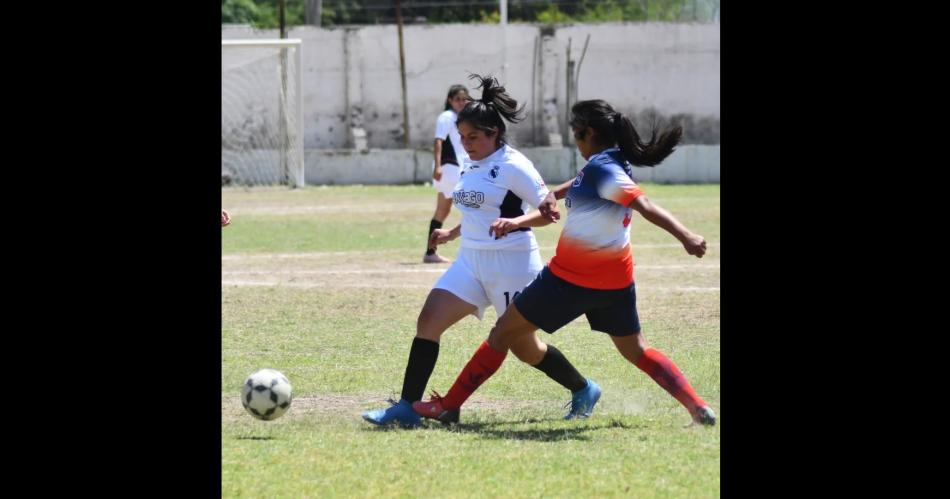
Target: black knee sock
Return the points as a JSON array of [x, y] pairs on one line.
[[434, 224], [558, 368], [422, 357]]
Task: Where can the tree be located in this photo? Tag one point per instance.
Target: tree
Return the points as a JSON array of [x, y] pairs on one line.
[[263, 13]]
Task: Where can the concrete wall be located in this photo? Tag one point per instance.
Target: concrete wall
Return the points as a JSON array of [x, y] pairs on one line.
[[662, 69], [688, 164], [352, 82]]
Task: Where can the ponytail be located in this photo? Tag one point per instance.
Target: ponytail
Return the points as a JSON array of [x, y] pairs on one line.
[[613, 128], [489, 112]]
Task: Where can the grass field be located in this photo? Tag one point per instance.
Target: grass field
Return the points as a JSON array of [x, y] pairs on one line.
[[325, 284]]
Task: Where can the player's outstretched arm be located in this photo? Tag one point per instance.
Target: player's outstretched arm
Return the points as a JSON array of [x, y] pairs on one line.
[[561, 191], [548, 209], [442, 236], [502, 226], [694, 243]]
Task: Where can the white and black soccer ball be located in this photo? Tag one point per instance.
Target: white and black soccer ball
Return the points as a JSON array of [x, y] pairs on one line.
[[266, 394]]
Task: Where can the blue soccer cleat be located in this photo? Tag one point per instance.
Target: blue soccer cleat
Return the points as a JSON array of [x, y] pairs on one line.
[[583, 401], [400, 413]]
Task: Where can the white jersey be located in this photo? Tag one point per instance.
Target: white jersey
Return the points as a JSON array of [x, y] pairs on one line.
[[503, 185], [445, 125]]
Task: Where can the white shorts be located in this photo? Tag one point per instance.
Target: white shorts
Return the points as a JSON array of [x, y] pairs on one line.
[[490, 277], [450, 177]]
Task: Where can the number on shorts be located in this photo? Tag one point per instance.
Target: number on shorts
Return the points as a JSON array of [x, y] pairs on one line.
[[508, 301]]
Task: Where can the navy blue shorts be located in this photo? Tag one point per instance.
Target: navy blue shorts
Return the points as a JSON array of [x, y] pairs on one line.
[[550, 302]]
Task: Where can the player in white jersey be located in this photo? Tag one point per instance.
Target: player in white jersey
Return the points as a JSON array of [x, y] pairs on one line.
[[449, 157], [497, 182]]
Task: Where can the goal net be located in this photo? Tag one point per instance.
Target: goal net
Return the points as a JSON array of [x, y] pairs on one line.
[[261, 113]]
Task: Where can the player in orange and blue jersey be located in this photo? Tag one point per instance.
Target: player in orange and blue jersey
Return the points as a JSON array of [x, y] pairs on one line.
[[591, 273]]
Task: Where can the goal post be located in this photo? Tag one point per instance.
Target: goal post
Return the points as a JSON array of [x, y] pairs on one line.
[[262, 112]]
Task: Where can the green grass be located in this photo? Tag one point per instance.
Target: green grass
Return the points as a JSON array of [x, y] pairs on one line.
[[324, 285]]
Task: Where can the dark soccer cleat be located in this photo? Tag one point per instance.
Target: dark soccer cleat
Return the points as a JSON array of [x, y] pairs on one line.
[[705, 416]]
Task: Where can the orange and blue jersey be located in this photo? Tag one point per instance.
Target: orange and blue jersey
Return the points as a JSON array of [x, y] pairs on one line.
[[594, 248]]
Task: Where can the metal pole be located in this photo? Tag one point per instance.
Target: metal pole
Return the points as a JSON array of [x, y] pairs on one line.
[[402, 74], [567, 94], [282, 118], [577, 74], [534, 90], [301, 173], [314, 12], [503, 11], [283, 25]]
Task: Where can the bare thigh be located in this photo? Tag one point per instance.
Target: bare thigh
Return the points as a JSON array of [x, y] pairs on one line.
[[441, 310]]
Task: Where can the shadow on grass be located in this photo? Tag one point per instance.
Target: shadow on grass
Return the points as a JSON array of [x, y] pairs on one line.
[[253, 437], [495, 430], [578, 431]]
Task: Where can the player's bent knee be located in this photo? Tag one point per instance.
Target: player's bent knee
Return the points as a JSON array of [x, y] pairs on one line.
[[426, 327], [494, 340], [631, 347], [529, 354], [502, 339], [429, 332]]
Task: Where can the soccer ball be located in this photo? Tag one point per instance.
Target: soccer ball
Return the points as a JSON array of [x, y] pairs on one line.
[[266, 394]]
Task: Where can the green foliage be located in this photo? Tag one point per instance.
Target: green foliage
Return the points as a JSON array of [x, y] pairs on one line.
[[606, 11], [553, 15], [493, 17], [264, 13], [239, 11]]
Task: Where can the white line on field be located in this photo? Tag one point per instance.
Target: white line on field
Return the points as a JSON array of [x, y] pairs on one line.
[[309, 285], [342, 208], [436, 270], [309, 254], [333, 272], [319, 254]]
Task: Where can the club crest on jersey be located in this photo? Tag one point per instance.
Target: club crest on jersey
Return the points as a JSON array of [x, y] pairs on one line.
[[578, 180], [494, 171]]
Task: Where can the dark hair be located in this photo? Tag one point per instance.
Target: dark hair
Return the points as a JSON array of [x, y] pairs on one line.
[[453, 91], [612, 128], [487, 112]]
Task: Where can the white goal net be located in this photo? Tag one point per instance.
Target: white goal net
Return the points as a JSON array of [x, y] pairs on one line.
[[261, 113]]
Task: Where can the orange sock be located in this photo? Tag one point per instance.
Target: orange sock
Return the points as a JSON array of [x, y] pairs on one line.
[[480, 367], [668, 376]]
